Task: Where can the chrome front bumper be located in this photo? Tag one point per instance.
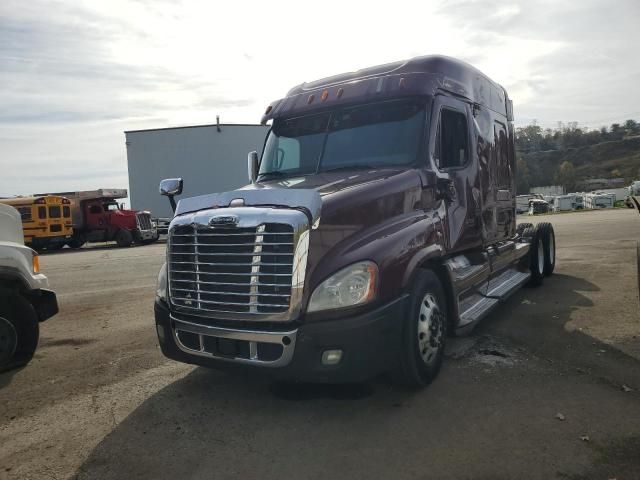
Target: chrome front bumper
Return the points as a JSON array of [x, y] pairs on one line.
[[203, 340]]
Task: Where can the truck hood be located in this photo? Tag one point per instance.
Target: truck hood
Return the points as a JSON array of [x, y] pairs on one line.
[[312, 193]]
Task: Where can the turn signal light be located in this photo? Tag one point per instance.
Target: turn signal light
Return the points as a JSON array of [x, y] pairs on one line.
[[35, 261]]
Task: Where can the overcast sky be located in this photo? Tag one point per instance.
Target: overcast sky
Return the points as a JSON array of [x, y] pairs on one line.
[[75, 74]]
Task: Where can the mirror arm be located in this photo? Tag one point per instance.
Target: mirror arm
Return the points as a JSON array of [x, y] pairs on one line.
[[172, 201]]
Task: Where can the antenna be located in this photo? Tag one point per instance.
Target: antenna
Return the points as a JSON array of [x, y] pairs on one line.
[[218, 123]]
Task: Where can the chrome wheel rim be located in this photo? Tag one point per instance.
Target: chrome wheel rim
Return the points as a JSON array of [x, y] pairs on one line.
[[8, 340], [540, 257], [430, 329], [552, 250]]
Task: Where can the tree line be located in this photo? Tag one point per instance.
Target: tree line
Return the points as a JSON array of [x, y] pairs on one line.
[[545, 156], [533, 138]]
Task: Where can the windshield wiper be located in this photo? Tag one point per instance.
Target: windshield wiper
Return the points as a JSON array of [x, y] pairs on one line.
[[275, 173], [350, 167]]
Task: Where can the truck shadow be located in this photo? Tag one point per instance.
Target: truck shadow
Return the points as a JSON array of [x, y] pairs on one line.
[[211, 424], [539, 319]]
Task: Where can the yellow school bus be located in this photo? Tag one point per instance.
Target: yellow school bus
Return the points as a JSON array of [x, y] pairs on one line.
[[46, 220]]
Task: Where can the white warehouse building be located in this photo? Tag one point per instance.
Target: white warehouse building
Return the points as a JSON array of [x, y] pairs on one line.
[[210, 158]]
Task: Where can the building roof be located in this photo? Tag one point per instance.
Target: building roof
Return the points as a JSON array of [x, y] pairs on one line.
[[221, 125]]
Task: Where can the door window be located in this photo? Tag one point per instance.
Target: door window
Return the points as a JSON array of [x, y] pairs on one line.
[[502, 155], [452, 140]]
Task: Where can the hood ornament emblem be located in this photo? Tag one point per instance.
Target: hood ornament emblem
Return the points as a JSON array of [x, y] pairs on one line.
[[224, 221]]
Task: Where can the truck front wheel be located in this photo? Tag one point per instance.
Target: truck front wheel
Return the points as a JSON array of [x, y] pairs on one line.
[[19, 332], [124, 238], [424, 332]]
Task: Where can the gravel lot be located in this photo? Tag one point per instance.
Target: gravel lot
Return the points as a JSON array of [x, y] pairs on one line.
[[547, 387]]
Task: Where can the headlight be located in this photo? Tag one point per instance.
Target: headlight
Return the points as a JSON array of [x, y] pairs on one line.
[[161, 287], [353, 285]]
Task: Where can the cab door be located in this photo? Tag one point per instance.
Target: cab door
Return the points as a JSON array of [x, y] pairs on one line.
[[458, 185]]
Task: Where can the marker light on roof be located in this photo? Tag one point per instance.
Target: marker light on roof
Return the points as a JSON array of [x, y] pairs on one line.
[[310, 99], [340, 92], [324, 95], [401, 83], [269, 108]]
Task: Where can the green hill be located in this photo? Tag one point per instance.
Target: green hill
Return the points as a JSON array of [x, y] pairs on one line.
[[611, 159]]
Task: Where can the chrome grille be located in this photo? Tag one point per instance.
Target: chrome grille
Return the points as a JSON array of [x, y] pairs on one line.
[[241, 270], [144, 221]]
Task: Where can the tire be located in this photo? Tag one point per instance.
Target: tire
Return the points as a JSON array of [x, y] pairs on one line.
[[424, 333], [549, 242], [521, 226], [536, 256], [151, 240], [124, 238], [76, 241], [19, 332]]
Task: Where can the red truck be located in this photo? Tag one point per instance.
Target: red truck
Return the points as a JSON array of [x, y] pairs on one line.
[[380, 218], [97, 217]]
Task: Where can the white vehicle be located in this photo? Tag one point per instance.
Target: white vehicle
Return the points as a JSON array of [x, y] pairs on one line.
[[563, 203], [634, 191], [25, 300], [599, 200]]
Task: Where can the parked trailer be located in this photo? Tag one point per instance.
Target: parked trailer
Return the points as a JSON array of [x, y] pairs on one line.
[[564, 203], [353, 253], [597, 200], [97, 217]]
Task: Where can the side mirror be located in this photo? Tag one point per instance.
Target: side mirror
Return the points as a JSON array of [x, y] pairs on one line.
[[252, 165], [169, 187]]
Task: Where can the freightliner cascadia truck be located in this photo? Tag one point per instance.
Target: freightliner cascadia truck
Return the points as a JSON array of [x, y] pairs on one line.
[[380, 219]]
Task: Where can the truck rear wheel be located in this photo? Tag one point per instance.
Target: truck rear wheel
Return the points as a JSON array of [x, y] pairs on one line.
[[124, 238], [536, 255], [424, 332], [19, 332], [549, 243], [76, 241]]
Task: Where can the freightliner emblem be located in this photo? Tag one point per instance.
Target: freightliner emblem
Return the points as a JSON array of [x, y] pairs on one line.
[[224, 221]]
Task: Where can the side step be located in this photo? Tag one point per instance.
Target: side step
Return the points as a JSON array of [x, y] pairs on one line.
[[507, 283], [475, 307]]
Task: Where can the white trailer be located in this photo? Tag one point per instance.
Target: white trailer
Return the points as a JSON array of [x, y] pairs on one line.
[[563, 203], [210, 158], [599, 200]]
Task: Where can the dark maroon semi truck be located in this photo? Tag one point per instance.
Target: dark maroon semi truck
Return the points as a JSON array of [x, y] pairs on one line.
[[380, 218]]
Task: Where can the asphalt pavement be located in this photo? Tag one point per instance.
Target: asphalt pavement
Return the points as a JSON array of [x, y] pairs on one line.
[[547, 387]]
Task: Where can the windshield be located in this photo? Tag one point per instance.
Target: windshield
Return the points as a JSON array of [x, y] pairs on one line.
[[370, 136]]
